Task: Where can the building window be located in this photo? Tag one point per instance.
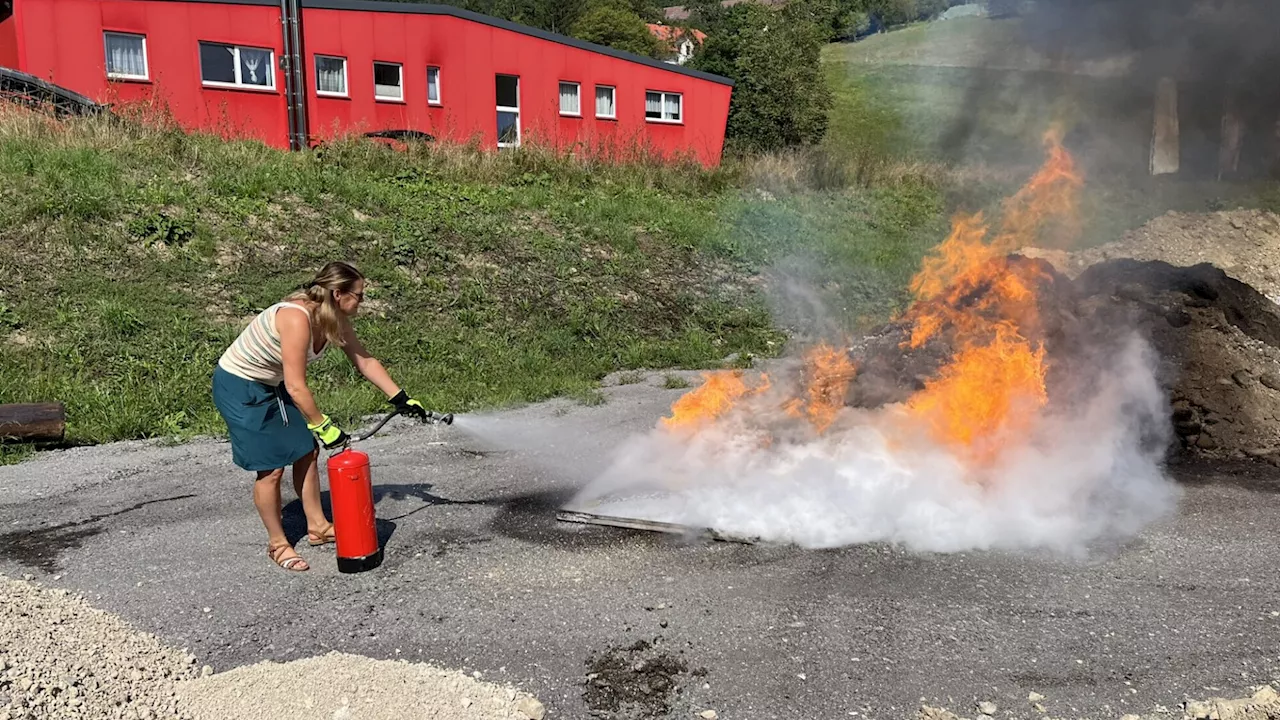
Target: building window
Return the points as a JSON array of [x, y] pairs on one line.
[[605, 106], [237, 66], [662, 106], [507, 88], [570, 99], [433, 85], [388, 81], [126, 56], [331, 76]]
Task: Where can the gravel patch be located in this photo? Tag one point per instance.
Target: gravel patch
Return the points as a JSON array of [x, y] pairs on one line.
[[352, 687], [62, 658]]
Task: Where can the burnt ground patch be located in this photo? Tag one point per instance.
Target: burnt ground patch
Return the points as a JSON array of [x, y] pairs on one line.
[[637, 682]]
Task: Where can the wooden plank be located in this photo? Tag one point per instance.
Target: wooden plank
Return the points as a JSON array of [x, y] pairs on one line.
[[575, 516], [1166, 144], [33, 422]]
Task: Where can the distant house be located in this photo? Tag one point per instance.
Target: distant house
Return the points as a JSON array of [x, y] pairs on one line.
[[680, 12], [678, 44]]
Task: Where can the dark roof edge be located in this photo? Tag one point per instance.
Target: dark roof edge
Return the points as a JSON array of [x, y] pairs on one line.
[[413, 8]]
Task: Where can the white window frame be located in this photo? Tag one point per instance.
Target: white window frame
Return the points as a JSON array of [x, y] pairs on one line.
[[664, 95], [235, 64], [578, 87], [439, 92], [510, 109], [387, 98], [146, 62], [613, 92], [346, 77]]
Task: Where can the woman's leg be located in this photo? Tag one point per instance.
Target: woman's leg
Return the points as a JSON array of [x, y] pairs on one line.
[[266, 497], [306, 482]]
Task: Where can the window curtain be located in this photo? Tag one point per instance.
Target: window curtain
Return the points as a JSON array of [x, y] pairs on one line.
[[330, 76], [255, 67], [569, 98], [433, 84], [653, 104], [604, 101], [673, 108], [124, 56]]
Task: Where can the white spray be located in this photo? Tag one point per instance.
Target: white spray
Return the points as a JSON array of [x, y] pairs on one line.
[[1090, 471]]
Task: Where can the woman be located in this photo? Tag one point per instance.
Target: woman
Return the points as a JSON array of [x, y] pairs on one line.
[[260, 388]]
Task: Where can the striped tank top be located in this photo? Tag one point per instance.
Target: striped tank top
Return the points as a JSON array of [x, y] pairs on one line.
[[256, 354]]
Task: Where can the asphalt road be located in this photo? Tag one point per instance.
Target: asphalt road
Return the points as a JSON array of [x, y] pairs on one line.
[[479, 575]]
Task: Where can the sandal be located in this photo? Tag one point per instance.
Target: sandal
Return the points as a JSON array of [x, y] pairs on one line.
[[323, 538], [292, 563]]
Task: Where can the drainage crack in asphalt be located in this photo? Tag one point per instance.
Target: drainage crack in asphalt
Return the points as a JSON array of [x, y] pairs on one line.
[[43, 547]]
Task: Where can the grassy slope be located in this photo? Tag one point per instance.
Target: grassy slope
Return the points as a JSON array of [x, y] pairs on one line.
[[132, 259]]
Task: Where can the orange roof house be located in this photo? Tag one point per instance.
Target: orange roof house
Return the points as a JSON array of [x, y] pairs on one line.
[[678, 43]]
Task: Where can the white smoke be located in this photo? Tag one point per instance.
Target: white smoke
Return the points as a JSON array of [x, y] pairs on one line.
[[1091, 471]]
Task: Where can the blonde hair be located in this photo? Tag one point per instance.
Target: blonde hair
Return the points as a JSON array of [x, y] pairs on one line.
[[336, 276]]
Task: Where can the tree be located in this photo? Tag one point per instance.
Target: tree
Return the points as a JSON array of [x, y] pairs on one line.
[[781, 98], [616, 25]]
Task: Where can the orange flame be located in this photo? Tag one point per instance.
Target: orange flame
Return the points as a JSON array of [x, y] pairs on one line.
[[716, 396], [987, 305], [830, 372], [972, 294]]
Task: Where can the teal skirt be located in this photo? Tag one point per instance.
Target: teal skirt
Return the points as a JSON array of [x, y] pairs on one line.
[[267, 430]]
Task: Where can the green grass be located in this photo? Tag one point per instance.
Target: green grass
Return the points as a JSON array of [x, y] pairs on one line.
[[675, 382], [133, 257]]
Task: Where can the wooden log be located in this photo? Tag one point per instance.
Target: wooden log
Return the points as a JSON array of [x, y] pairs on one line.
[[33, 422], [1166, 145]]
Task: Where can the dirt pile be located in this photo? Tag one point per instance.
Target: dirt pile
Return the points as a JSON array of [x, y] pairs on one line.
[[61, 658], [1218, 340], [352, 687], [1245, 244]]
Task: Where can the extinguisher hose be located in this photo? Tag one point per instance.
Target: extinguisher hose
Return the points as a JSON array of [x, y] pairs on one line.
[[432, 417]]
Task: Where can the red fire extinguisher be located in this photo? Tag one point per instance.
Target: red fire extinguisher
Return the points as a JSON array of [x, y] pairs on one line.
[[351, 494]]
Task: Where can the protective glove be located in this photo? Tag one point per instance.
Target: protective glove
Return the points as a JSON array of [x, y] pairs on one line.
[[406, 405], [329, 434]]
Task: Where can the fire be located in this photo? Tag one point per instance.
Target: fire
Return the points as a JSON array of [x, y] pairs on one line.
[[986, 305], [974, 298], [830, 372], [716, 395]]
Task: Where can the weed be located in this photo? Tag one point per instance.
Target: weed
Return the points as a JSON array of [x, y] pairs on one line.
[[674, 382], [631, 378], [591, 397]]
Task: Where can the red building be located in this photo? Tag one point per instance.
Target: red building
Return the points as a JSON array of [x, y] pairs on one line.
[[295, 72]]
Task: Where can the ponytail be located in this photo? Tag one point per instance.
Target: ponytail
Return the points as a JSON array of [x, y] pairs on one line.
[[336, 276]]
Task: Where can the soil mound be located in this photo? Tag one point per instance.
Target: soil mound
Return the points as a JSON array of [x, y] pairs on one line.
[[1245, 244], [1218, 340]]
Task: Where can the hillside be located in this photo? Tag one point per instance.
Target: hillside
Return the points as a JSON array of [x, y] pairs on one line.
[[134, 256]]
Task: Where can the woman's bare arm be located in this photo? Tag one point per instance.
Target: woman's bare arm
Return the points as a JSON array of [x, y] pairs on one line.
[[366, 363]]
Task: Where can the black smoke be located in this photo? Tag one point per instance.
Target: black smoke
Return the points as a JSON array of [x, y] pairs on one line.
[[1105, 58]]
